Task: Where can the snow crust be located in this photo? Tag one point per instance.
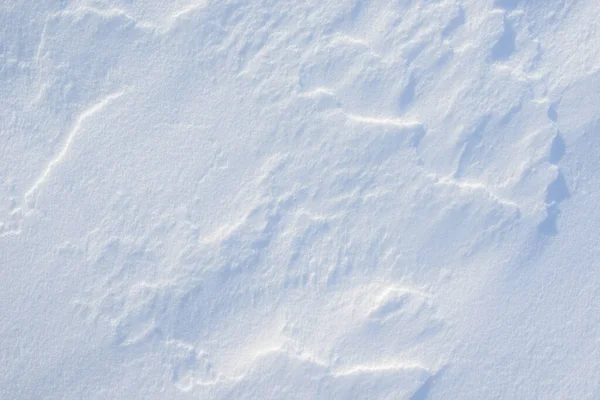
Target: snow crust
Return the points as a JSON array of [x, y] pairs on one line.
[[267, 199]]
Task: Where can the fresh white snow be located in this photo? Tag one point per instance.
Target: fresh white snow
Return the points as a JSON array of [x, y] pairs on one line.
[[350, 199]]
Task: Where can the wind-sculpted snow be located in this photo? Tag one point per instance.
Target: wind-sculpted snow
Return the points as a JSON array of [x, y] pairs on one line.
[[296, 200]]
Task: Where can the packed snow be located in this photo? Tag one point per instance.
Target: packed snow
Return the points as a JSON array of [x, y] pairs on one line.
[[349, 199]]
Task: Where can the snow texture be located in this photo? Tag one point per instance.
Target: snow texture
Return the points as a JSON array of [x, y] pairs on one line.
[[350, 199]]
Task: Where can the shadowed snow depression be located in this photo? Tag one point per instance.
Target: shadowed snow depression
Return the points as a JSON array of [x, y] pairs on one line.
[[267, 199]]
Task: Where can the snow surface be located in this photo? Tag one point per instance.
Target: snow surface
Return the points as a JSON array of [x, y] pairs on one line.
[[351, 199]]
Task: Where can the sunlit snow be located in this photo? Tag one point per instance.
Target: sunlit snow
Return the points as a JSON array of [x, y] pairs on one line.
[[350, 199]]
